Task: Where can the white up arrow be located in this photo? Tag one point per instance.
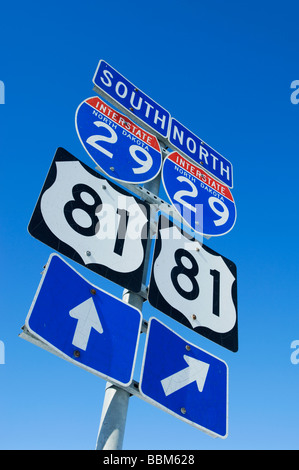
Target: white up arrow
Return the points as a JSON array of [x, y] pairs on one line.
[[88, 318], [196, 371]]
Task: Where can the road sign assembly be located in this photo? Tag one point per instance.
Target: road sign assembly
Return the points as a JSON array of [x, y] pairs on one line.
[[92, 221], [194, 285], [185, 380], [106, 228], [206, 205], [85, 324], [123, 150]]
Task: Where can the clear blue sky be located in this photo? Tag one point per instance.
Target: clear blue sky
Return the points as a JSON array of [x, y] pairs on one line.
[[224, 70]]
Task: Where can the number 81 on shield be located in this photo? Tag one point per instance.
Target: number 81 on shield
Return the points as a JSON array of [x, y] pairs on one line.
[[194, 285]]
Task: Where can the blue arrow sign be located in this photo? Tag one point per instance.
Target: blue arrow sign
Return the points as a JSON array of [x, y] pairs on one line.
[[85, 324], [185, 380], [118, 146]]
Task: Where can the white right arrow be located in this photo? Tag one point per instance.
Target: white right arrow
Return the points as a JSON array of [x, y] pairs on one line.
[[196, 371]]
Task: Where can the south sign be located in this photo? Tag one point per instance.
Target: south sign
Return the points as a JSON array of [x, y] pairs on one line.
[[204, 203], [116, 88], [120, 148]]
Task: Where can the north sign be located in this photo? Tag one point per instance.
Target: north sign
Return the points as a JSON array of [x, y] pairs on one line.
[[122, 149], [92, 221], [204, 203], [184, 380], [74, 318], [184, 141], [194, 285]]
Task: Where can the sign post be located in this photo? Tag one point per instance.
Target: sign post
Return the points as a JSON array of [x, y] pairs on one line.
[[113, 418], [116, 401]]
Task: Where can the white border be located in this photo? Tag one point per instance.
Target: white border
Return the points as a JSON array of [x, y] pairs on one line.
[[62, 354], [164, 408]]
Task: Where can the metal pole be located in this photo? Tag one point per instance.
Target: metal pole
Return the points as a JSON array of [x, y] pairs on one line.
[[116, 400], [113, 419]]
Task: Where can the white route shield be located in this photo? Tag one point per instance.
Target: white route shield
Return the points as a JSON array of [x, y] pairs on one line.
[[92, 221], [194, 285]]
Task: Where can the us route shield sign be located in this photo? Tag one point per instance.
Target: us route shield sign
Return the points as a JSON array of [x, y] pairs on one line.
[[92, 221], [194, 285]]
